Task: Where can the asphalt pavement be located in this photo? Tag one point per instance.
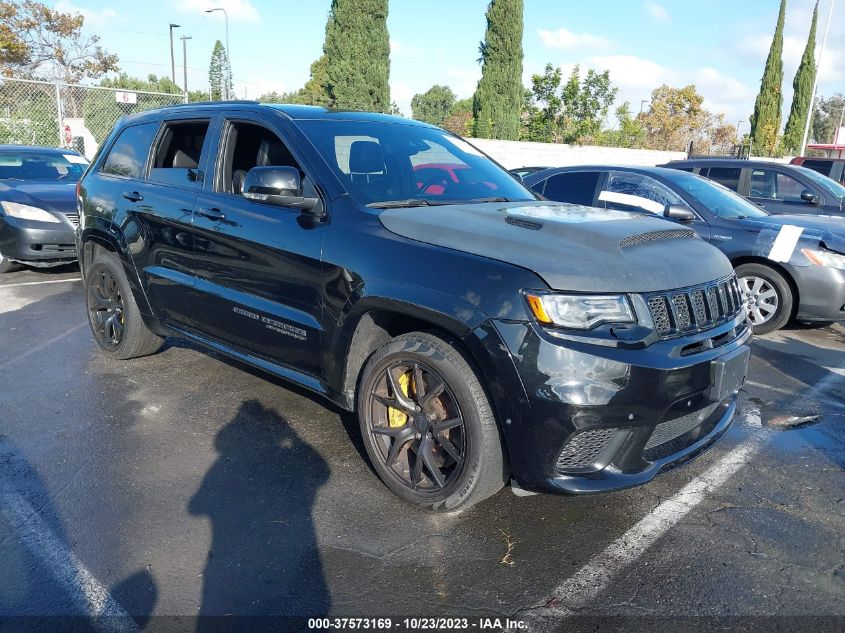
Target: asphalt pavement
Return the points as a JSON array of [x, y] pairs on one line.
[[185, 484]]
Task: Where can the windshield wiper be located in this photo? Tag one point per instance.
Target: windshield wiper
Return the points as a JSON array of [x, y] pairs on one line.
[[492, 199], [400, 204]]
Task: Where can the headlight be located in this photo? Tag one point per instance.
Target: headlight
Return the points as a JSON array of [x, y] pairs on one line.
[[26, 212], [580, 312], [825, 258]]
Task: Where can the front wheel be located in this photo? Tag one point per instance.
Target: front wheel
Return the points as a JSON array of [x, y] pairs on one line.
[[427, 424], [767, 297]]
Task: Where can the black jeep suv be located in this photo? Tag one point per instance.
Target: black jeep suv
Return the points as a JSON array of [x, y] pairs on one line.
[[480, 333]]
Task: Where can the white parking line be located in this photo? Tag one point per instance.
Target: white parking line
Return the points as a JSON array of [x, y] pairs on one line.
[[38, 283], [40, 346], [580, 590], [87, 594]]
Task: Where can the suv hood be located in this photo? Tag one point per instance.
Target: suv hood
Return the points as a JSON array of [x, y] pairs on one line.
[[573, 248]]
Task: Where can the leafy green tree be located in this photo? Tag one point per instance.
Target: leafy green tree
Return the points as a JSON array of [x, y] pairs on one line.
[[433, 105], [499, 97], [826, 117], [802, 92], [220, 73], [675, 117], [765, 122], [38, 41], [628, 133], [460, 120], [101, 110], [357, 56]]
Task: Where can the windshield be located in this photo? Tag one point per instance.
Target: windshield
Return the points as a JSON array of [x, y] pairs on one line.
[[408, 165], [718, 199], [830, 186], [28, 165]]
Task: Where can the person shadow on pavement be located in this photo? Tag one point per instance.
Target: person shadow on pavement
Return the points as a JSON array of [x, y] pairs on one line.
[[264, 559]]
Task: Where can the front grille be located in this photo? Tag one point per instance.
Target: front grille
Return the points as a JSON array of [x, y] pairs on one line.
[[582, 451], [653, 236], [673, 436], [694, 309], [73, 216]]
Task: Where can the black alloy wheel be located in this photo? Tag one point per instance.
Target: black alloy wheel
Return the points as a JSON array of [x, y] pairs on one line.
[[105, 306], [417, 426]]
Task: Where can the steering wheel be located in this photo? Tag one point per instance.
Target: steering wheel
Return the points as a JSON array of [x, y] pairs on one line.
[[439, 181]]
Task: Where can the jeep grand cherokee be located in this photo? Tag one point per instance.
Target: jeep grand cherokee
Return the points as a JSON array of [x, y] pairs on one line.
[[480, 333]]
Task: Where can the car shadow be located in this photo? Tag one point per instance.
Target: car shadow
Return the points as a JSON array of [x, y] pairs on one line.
[[258, 496]]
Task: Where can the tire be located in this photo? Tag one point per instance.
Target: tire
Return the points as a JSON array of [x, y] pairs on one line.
[[770, 284], [113, 315], [7, 265], [417, 358]]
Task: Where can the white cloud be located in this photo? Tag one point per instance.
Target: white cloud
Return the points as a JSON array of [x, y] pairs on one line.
[[565, 39], [657, 12], [237, 10], [630, 71], [464, 80], [93, 17]]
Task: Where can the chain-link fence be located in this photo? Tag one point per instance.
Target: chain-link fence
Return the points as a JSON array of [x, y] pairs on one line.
[[68, 115]]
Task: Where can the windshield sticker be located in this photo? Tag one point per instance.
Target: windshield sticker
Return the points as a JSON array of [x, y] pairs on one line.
[[785, 243], [571, 214], [633, 201], [74, 159]]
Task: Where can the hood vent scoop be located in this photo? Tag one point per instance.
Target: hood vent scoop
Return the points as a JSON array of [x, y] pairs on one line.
[[654, 236], [523, 223]]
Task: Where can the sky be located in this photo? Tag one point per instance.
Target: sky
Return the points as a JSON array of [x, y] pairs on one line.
[[719, 45]]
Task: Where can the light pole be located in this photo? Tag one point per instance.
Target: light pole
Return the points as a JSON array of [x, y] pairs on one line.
[[738, 123], [815, 82], [228, 50], [172, 59], [185, 39]]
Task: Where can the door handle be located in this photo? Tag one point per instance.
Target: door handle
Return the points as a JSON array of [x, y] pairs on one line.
[[133, 196], [213, 213]]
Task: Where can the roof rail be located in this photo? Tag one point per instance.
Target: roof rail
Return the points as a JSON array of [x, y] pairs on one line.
[[217, 103]]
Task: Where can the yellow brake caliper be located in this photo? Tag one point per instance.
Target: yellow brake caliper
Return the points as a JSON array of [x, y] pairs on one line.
[[395, 417]]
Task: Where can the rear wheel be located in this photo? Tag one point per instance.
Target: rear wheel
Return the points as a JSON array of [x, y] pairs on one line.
[[767, 296], [427, 424], [7, 265], [115, 320]]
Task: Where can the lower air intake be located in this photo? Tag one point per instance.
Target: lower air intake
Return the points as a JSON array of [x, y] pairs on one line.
[[582, 451]]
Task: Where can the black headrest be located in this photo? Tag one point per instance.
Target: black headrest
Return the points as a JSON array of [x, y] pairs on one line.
[[366, 157], [181, 160]]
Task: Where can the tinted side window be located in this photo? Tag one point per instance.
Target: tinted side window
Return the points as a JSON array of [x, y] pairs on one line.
[[727, 176], [177, 156], [703, 172], [774, 185], [634, 192], [128, 156], [577, 187], [250, 145], [821, 166]]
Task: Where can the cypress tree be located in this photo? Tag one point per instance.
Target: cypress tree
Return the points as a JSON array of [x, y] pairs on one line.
[[802, 95], [498, 101], [765, 122], [357, 51], [219, 73]]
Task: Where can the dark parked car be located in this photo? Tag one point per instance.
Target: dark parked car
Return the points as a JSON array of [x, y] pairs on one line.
[[478, 337], [788, 265], [775, 187], [833, 168], [38, 205]]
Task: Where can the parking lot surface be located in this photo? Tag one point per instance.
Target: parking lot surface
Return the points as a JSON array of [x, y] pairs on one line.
[[186, 484]]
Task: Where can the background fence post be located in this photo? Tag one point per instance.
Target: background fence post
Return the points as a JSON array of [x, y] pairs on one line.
[[59, 116]]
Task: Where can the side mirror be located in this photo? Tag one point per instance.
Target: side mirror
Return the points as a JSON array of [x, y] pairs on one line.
[[809, 197], [279, 186], [679, 212]]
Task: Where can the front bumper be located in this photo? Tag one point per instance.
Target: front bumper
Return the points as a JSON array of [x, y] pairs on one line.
[[602, 418], [37, 243], [821, 293]]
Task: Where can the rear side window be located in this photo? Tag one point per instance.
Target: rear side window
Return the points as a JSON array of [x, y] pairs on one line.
[[726, 176], [176, 159], [576, 187], [128, 156], [636, 192], [824, 167]]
